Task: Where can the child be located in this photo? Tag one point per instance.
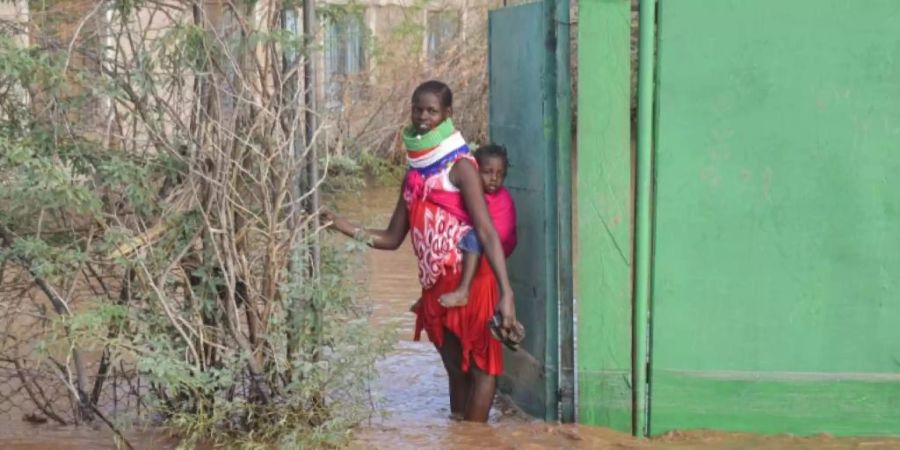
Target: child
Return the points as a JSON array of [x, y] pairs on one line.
[[492, 166]]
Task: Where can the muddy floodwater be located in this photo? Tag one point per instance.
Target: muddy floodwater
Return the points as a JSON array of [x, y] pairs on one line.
[[411, 391]]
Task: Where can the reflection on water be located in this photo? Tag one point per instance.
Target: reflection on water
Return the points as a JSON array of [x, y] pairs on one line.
[[16, 435], [411, 391]]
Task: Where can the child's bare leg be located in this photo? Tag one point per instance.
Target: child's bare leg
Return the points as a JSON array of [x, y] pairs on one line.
[[460, 296], [415, 306]]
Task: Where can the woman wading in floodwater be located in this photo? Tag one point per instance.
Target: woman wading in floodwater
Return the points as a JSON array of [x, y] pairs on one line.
[[442, 171]]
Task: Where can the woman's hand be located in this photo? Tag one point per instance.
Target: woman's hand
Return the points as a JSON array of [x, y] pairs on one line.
[[336, 222], [327, 216], [507, 308]]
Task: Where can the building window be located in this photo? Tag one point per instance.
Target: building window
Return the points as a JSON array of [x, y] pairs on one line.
[[344, 54], [443, 32]]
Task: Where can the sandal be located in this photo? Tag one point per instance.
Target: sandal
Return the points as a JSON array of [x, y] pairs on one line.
[[513, 338]]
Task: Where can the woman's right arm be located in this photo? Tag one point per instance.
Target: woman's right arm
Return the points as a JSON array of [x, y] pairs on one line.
[[387, 239]]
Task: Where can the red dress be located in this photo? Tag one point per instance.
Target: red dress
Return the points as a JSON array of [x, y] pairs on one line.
[[435, 234]]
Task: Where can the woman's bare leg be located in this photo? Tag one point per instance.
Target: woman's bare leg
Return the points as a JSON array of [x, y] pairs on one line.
[[481, 394], [451, 355]]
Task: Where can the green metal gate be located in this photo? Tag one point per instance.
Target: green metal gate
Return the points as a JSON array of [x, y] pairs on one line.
[[527, 107], [776, 263]]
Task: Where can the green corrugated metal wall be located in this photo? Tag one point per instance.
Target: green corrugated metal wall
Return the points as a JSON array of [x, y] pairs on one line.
[[776, 291], [775, 270], [604, 210]]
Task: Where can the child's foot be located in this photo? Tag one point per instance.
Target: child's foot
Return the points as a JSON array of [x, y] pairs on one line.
[[455, 299], [415, 306]]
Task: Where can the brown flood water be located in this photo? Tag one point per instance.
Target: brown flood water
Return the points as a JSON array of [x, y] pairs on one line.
[[412, 403]]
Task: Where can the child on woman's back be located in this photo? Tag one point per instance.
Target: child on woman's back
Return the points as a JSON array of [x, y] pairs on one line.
[[492, 166]]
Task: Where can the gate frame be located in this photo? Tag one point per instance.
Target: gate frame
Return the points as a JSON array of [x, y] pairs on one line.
[[558, 370]]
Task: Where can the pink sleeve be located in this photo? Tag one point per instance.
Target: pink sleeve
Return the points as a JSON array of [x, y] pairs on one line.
[[503, 213], [509, 244]]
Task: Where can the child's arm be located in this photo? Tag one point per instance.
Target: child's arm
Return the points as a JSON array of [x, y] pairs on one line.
[[387, 239]]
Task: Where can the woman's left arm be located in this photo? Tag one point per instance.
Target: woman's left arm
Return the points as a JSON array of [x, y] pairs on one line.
[[465, 176]]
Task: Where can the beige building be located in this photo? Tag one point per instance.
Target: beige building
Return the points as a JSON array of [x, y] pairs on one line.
[[354, 35], [367, 35]]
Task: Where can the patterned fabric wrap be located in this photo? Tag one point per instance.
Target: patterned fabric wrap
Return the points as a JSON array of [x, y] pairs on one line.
[[500, 206], [435, 233]]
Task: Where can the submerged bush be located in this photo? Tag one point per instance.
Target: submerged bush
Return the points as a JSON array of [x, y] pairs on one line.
[[158, 228]]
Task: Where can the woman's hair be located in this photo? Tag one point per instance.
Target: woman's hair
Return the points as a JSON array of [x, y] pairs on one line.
[[492, 151], [439, 89]]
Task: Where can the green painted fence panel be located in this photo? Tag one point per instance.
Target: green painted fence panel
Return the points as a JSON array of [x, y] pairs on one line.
[[776, 291], [518, 69], [604, 199]]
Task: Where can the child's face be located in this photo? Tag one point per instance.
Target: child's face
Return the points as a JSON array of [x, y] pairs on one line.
[[492, 173], [427, 112]]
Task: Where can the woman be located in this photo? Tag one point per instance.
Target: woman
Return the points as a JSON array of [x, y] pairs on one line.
[[442, 168]]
